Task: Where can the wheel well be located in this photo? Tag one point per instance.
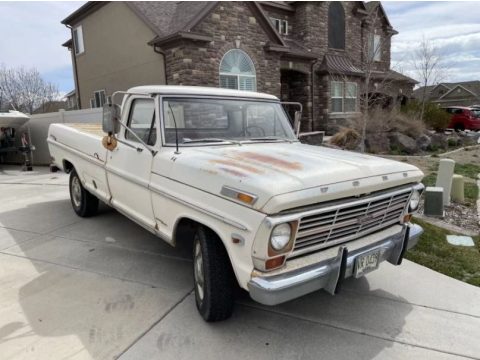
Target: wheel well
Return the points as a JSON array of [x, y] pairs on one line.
[[67, 166], [185, 230]]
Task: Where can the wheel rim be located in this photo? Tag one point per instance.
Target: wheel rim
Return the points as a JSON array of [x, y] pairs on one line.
[[198, 270], [76, 192]]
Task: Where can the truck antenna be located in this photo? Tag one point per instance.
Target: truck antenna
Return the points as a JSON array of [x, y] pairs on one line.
[[176, 130]]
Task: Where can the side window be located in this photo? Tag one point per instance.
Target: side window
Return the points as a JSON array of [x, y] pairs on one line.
[[142, 121], [78, 40]]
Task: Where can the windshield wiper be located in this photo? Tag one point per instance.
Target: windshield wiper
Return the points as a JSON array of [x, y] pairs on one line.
[[209, 140]]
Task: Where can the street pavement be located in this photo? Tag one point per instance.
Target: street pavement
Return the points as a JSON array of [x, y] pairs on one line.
[[104, 288]]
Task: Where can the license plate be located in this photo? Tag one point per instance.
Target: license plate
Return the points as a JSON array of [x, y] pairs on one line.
[[366, 263]]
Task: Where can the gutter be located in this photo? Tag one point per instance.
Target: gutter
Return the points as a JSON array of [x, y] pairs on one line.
[[161, 52], [312, 91], [75, 71]]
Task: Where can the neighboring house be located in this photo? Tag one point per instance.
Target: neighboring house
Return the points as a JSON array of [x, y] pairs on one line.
[[451, 94], [71, 99], [50, 106], [311, 52]]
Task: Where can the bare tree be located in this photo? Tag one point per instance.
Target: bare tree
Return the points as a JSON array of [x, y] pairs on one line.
[[376, 82], [25, 90], [429, 67]]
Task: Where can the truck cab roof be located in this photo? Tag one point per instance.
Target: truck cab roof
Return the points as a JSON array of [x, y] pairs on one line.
[[200, 91]]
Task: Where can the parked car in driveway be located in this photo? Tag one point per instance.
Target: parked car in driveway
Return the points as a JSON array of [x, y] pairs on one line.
[[225, 169], [464, 118]]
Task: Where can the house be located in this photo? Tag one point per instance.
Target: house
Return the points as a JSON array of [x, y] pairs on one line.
[[449, 94], [311, 52], [71, 99]]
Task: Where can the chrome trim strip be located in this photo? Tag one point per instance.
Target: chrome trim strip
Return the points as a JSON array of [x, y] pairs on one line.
[[84, 156], [132, 178], [159, 191]]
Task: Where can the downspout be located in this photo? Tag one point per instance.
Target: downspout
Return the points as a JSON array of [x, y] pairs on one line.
[[161, 52], [312, 91], [75, 72]]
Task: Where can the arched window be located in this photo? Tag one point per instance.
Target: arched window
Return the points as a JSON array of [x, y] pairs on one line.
[[336, 26], [237, 71]]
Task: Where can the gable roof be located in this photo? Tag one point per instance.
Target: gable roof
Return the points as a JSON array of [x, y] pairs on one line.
[[371, 6], [170, 17], [471, 86], [457, 87]]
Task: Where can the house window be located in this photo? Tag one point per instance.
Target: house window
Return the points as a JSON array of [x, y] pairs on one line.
[[78, 40], [336, 26], [99, 97], [343, 97], [237, 71], [280, 25], [375, 49]]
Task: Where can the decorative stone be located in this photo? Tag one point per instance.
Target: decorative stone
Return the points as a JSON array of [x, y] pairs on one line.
[[423, 142], [444, 178], [403, 142], [460, 240], [458, 192]]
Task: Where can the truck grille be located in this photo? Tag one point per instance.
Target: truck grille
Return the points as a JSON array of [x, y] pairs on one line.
[[349, 220]]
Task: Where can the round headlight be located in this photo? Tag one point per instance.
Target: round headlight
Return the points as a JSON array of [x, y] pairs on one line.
[[280, 236], [414, 201]]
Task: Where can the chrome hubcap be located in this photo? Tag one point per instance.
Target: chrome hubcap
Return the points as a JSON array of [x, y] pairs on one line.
[[76, 192], [198, 270]]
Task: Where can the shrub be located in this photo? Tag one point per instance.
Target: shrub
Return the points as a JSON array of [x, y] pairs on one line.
[[433, 116], [346, 138]]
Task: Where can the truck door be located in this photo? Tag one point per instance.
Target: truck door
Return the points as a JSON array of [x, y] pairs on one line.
[[129, 164]]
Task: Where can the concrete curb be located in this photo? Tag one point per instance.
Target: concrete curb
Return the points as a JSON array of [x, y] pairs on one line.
[[478, 199], [446, 226]]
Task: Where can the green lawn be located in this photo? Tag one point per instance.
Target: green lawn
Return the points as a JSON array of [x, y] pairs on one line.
[[467, 170], [434, 252]]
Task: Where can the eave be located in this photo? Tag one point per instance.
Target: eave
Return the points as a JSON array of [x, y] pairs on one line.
[[157, 41]]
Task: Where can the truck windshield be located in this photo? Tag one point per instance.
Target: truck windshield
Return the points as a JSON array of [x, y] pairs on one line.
[[222, 121]]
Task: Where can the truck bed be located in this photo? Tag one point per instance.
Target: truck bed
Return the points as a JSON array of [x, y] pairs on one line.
[[94, 129]]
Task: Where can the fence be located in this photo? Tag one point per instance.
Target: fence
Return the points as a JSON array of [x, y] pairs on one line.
[[38, 127]]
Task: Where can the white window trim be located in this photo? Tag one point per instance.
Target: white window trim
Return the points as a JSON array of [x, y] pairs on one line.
[[278, 24], [344, 96], [239, 75], [79, 48], [95, 99]]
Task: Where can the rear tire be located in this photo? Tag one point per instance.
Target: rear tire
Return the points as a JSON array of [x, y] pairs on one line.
[[84, 204], [459, 127], [213, 276]]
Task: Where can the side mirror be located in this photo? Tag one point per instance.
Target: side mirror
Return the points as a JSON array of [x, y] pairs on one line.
[[296, 122], [111, 118]]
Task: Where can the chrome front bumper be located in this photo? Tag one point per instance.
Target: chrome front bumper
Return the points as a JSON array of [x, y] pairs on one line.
[[329, 273]]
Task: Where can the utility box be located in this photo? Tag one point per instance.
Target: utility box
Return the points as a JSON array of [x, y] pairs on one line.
[[433, 202]]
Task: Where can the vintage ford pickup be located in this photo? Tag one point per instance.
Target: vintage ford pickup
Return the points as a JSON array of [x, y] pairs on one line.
[[224, 170]]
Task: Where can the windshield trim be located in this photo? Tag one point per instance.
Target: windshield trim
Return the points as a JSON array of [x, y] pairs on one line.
[[227, 142]]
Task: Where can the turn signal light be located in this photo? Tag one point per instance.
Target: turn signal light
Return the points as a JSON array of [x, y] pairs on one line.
[[274, 263], [245, 198], [407, 218]]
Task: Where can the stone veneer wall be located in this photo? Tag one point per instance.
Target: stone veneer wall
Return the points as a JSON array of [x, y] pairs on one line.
[[232, 25]]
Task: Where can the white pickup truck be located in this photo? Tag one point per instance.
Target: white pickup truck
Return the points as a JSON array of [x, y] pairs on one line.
[[224, 169]]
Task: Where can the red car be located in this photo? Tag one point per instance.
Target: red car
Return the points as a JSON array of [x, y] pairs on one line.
[[464, 118]]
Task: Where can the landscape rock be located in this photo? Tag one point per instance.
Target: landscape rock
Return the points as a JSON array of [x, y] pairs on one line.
[[377, 143], [423, 142], [403, 142], [438, 141]]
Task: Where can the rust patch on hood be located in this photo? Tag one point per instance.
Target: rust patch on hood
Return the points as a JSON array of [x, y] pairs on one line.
[[236, 164], [267, 159], [233, 172]]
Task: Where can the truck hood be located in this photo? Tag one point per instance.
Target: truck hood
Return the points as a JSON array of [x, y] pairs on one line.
[[299, 170]]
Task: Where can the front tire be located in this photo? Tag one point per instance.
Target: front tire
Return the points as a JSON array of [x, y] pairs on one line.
[[84, 204], [213, 276]]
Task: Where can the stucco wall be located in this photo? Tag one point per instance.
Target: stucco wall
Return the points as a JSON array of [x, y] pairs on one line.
[[116, 55]]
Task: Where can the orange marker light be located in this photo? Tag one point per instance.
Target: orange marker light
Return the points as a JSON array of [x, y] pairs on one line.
[[274, 263], [407, 218], [245, 198]]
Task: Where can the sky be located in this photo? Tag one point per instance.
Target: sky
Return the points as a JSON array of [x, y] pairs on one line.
[[31, 36]]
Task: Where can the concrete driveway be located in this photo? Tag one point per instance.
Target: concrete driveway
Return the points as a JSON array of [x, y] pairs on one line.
[[104, 288]]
